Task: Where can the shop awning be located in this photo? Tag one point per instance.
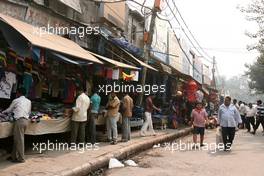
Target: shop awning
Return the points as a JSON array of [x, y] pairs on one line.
[[49, 41], [139, 61], [68, 60], [114, 62]]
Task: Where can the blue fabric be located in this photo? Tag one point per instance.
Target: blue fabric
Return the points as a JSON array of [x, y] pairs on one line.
[[27, 82], [96, 100], [128, 46]]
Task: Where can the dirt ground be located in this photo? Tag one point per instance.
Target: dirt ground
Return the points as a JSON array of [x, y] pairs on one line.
[[245, 159]]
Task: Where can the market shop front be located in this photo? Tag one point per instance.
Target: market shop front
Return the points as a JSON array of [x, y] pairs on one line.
[[51, 68]]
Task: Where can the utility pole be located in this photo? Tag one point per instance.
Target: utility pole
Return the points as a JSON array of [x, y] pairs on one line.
[[213, 71], [147, 46]]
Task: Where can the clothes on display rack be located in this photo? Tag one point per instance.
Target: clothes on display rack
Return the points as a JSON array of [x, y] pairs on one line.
[[6, 85], [7, 117]]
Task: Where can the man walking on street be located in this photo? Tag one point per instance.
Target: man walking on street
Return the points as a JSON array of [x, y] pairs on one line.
[[21, 108], [250, 117], [112, 115], [242, 110], [259, 116], [95, 101], [127, 114], [228, 119], [79, 117], [148, 113]]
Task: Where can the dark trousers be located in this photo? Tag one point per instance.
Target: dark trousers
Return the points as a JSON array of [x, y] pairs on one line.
[[228, 134], [244, 121], [92, 128], [18, 152], [259, 120], [250, 121], [78, 130]]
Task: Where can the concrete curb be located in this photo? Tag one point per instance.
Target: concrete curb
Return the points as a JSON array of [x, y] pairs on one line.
[[123, 153]]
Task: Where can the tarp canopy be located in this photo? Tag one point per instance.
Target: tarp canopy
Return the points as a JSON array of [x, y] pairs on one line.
[[46, 40], [139, 61], [114, 62]]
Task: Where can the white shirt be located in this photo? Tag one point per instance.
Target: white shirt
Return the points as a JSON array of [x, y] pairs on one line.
[[21, 107], [228, 116], [251, 112], [80, 110], [242, 109]]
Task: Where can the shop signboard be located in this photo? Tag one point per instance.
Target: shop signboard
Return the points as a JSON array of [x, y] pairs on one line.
[[175, 59], [197, 69], [186, 58], [206, 75], [159, 43]]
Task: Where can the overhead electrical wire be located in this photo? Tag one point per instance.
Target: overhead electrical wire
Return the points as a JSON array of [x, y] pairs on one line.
[[210, 60]]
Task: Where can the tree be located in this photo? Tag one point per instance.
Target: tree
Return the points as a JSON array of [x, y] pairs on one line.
[[255, 12], [255, 72]]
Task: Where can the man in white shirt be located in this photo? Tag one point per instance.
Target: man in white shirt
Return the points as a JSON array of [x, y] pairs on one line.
[[79, 117], [242, 110], [228, 119], [21, 108], [250, 116]]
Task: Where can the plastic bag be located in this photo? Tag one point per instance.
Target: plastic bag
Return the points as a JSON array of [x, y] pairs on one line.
[[114, 163], [131, 163], [219, 138]]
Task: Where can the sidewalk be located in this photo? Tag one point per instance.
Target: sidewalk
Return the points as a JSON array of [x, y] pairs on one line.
[[68, 163]]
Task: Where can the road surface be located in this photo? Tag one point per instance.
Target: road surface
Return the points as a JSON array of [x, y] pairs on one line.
[[245, 159]]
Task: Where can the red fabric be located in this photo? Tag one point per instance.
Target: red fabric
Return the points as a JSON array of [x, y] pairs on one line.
[[109, 73], [71, 93]]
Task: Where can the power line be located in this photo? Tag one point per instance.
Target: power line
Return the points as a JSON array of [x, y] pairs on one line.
[[209, 60]]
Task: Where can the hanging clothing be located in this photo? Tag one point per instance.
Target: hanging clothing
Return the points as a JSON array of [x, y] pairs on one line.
[[27, 82], [115, 75], [6, 85], [109, 73]]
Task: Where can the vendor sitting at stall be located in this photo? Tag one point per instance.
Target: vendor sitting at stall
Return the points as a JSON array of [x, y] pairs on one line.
[[21, 108]]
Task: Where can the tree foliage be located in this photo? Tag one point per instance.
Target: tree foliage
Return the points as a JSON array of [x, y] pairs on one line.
[[255, 71]]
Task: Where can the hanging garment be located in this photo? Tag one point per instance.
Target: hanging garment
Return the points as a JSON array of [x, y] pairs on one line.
[[6, 85], [27, 82], [115, 74]]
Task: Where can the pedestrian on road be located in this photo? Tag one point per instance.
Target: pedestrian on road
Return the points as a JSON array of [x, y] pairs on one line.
[[148, 116], [79, 117], [21, 108], [95, 103], [228, 119], [112, 115], [127, 108], [259, 116], [250, 117], [235, 103], [242, 110], [199, 118]]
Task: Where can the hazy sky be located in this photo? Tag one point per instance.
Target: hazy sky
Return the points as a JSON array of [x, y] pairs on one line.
[[220, 29], [219, 26]]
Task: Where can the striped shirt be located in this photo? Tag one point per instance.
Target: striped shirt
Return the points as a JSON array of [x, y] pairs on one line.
[[260, 111]]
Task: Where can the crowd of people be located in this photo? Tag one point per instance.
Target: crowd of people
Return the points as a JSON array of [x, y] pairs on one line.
[[230, 117]]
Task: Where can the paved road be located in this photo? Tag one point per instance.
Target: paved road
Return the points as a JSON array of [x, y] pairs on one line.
[[245, 159]]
